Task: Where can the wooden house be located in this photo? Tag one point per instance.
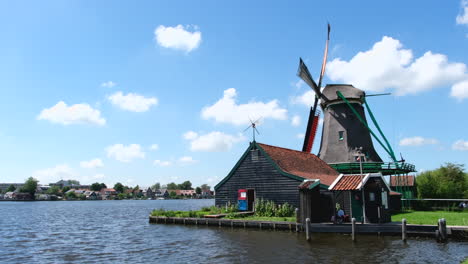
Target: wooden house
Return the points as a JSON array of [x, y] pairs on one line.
[[348, 193], [274, 173], [404, 184]]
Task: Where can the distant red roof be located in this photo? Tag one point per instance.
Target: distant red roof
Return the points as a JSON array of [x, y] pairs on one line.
[[302, 164], [395, 193], [402, 180], [348, 182]]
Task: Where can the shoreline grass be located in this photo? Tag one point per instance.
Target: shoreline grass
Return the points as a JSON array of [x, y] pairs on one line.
[[431, 217]]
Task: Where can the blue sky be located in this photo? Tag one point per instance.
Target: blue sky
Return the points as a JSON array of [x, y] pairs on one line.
[[161, 91]]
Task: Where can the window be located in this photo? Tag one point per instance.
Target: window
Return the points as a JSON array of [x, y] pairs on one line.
[[340, 135], [372, 197]]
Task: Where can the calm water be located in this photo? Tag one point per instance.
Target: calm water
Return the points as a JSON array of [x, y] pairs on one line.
[[119, 232]]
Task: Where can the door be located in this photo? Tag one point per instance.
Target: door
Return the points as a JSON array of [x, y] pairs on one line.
[[250, 199], [356, 204]]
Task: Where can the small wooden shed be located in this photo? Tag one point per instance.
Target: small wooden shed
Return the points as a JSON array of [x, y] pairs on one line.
[[348, 191], [273, 173]]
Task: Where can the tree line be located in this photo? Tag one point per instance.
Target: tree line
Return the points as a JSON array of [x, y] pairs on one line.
[[449, 181]]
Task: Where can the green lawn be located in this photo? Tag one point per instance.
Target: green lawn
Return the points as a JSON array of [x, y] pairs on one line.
[[431, 217]]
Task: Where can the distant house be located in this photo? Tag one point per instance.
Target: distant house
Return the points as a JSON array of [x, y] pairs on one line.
[[8, 195], [404, 184], [162, 193], [19, 196], [5, 186], [348, 191], [69, 183], [206, 193], [91, 195], [190, 193], [108, 193], [148, 192], [274, 173]]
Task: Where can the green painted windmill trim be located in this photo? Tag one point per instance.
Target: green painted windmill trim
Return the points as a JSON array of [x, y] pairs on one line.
[[364, 122], [392, 154]]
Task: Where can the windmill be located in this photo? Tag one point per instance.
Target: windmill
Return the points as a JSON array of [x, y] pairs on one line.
[[346, 135], [314, 113], [253, 125]]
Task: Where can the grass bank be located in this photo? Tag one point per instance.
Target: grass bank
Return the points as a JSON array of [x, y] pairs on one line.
[[431, 217]]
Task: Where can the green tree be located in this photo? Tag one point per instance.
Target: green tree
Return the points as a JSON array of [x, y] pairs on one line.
[[205, 187], [53, 190], [119, 187], [156, 186], [186, 185], [74, 182], [121, 196], [30, 186], [448, 181], [103, 186], [11, 188], [70, 195], [173, 194], [65, 189], [172, 186], [96, 187], [198, 190]]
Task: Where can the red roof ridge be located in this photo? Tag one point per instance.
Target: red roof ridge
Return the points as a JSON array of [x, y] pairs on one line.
[[302, 164]]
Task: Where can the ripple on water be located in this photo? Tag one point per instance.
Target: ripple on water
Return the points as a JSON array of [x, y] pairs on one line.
[[118, 231]]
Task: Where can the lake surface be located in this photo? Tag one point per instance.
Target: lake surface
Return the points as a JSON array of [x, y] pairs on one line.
[[119, 232]]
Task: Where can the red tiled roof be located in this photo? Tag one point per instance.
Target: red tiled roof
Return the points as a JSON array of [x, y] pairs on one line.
[[306, 184], [402, 180], [348, 182], [302, 164], [395, 193]]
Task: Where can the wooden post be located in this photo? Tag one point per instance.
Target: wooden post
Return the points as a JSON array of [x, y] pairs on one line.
[[442, 230], [296, 212], [353, 229], [403, 229], [307, 229]]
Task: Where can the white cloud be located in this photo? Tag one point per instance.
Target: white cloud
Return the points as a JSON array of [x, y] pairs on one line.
[[300, 136], [460, 90], [178, 37], [108, 84], [92, 164], [226, 110], [99, 176], [214, 142], [63, 172], [162, 163], [306, 98], [462, 19], [387, 65], [132, 102], [74, 114], [296, 120], [154, 147], [187, 160], [124, 153], [190, 135], [417, 141], [460, 145], [51, 175]]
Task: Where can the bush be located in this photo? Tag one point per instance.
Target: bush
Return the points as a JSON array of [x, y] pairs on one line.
[[266, 208]]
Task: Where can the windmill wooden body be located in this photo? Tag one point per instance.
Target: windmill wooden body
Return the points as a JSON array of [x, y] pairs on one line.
[[346, 142]]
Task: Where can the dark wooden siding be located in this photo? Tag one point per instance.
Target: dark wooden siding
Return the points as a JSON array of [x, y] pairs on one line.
[[259, 174]]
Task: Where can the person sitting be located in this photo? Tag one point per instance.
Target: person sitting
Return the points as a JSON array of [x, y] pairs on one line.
[[340, 216]]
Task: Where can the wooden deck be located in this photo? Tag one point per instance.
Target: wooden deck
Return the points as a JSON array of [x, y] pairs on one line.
[[457, 232]]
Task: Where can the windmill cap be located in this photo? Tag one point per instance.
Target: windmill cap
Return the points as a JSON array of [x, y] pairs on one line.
[[348, 91]]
